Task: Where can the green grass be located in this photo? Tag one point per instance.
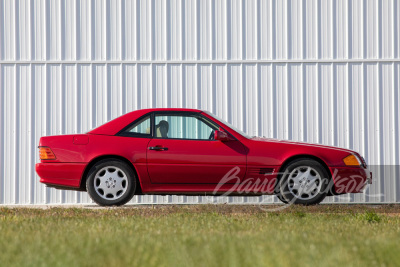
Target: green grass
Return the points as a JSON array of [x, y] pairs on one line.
[[208, 235]]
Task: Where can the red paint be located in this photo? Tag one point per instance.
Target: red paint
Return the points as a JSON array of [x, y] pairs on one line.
[[188, 166], [66, 174], [349, 180], [222, 136], [192, 161], [81, 139]]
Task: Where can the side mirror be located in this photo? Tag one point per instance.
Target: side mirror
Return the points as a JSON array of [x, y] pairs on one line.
[[222, 136]]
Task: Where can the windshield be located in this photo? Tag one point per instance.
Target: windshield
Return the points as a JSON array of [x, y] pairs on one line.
[[229, 125]]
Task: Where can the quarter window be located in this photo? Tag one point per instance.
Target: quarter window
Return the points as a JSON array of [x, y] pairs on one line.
[[141, 127]]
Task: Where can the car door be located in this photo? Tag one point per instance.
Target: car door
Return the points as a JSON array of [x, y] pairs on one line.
[[183, 151]]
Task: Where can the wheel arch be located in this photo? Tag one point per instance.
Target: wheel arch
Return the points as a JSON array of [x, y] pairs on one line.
[[290, 159], [98, 159]]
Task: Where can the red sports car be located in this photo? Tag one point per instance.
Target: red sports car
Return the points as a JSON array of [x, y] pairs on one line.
[[190, 151]]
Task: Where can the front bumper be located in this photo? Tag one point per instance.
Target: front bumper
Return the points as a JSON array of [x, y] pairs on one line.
[[350, 180], [62, 174]]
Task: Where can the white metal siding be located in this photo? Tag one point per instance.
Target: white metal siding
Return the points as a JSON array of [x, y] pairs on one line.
[[319, 71]]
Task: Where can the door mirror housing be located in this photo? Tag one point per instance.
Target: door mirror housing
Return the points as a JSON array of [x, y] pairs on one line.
[[222, 136]]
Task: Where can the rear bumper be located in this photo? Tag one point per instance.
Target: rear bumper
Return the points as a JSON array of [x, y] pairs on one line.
[[350, 180], [62, 174]]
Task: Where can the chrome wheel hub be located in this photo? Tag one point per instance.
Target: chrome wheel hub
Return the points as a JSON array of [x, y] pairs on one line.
[[110, 183], [304, 182]]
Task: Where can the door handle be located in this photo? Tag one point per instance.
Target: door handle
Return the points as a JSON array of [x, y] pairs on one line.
[[158, 148]]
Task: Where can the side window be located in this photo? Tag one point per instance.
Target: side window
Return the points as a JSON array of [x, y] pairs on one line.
[[141, 127], [184, 127]]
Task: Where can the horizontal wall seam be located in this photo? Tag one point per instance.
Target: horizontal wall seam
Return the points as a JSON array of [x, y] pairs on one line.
[[258, 61]]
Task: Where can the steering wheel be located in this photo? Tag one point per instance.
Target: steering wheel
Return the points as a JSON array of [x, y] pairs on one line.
[[211, 137]]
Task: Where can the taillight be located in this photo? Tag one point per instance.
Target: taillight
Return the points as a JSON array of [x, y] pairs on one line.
[[46, 153]]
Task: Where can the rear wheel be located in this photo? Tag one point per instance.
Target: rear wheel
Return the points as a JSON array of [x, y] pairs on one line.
[[111, 182], [304, 182]]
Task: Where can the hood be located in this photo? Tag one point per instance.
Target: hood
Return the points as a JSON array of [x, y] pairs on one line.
[[273, 140]]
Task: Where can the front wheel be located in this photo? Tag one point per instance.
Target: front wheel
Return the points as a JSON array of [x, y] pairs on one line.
[[281, 198], [304, 182], [111, 182]]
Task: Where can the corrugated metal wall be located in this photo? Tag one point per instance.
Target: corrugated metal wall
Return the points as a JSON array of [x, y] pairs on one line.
[[318, 71]]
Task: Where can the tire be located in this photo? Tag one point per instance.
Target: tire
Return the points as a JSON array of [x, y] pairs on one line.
[[304, 182], [111, 182], [281, 198]]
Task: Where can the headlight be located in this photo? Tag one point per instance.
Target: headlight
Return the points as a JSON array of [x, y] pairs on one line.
[[352, 160]]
